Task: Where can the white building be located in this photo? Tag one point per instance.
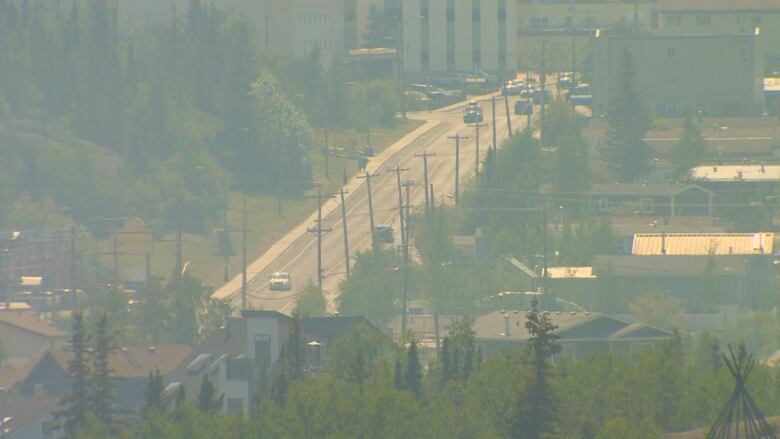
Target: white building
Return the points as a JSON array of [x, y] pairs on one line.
[[459, 36]]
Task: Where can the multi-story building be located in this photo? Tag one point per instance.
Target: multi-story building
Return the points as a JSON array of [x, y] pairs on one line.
[[707, 17], [458, 36], [565, 26], [681, 74]]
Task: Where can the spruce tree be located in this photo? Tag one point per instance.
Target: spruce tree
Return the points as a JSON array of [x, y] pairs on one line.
[[73, 413], [103, 387], [208, 401], [689, 150], [413, 377], [154, 400], [399, 375], [444, 360], [537, 406], [626, 154]]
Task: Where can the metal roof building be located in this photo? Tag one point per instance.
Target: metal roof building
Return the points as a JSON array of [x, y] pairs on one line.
[[692, 244]]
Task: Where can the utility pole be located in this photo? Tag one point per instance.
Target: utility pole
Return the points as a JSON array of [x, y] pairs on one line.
[[346, 239], [493, 106], [457, 138], [243, 254], [178, 262], [73, 261], [425, 155], [508, 116], [319, 231], [573, 57], [407, 184], [326, 153], [476, 129], [397, 170], [542, 82], [433, 202], [368, 176], [544, 249]]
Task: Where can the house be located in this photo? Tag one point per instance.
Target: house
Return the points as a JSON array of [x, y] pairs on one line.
[[130, 365], [249, 346], [25, 335], [659, 200], [580, 333]]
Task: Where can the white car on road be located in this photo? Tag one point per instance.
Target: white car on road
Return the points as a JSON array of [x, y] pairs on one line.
[[280, 281]]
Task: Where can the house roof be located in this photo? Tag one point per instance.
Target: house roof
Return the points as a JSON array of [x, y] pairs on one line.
[[690, 244], [572, 326], [31, 323], [669, 266], [639, 189], [629, 226], [514, 262], [721, 173], [136, 361], [25, 408], [331, 327], [570, 273]]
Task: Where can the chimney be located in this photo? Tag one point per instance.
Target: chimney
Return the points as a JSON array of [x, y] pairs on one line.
[[506, 325], [663, 243], [762, 168], [714, 169], [151, 349]]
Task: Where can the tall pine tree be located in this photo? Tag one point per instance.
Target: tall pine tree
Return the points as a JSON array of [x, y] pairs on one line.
[[208, 401], [689, 150], [103, 386], [73, 413], [413, 377], [537, 406], [626, 154], [154, 398]]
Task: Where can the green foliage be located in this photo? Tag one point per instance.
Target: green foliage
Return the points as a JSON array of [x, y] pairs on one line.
[[154, 398], [74, 406], [179, 311], [620, 428], [208, 400], [103, 387], [689, 151], [413, 374], [353, 357], [3, 353], [560, 121], [626, 154], [373, 287], [311, 302]]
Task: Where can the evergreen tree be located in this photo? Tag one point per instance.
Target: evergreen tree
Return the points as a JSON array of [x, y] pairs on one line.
[[73, 413], [154, 399], [626, 154], [293, 355], [413, 376], [689, 151], [208, 401], [181, 396], [444, 360], [537, 406], [103, 387], [398, 377]]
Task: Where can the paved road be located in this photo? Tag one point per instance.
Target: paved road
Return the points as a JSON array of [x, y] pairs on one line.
[[297, 252]]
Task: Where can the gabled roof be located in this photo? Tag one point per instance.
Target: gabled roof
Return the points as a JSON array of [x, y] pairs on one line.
[[136, 361], [717, 5], [32, 324], [643, 189], [691, 244], [641, 331]]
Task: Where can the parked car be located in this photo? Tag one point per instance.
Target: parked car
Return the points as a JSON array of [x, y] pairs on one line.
[[586, 100], [473, 113], [524, 107], [537, 96], [367, 151], [566, 82], [582, 89], [513, 87], [280, 281], [383, 233]]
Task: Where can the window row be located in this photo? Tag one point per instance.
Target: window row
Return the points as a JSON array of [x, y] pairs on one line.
[[313, 17]]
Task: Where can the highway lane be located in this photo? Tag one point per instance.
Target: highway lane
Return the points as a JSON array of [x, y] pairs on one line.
[[299, 258]]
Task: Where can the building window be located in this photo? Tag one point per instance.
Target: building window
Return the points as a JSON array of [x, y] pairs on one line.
[[703, 19], [262, 351], [755, 20], [671, 52], [568, 21], [235, 406], [673, 19], [743, 54], [603, 204], [544, 21]]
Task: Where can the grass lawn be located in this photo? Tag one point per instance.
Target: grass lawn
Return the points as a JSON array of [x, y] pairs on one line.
[[263, 220]]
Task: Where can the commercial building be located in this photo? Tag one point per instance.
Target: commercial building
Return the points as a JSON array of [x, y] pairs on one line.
[[713, 17], [680, 75], [458, 36]]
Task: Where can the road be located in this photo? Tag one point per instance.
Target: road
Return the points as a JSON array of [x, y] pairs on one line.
[[296, 253]]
